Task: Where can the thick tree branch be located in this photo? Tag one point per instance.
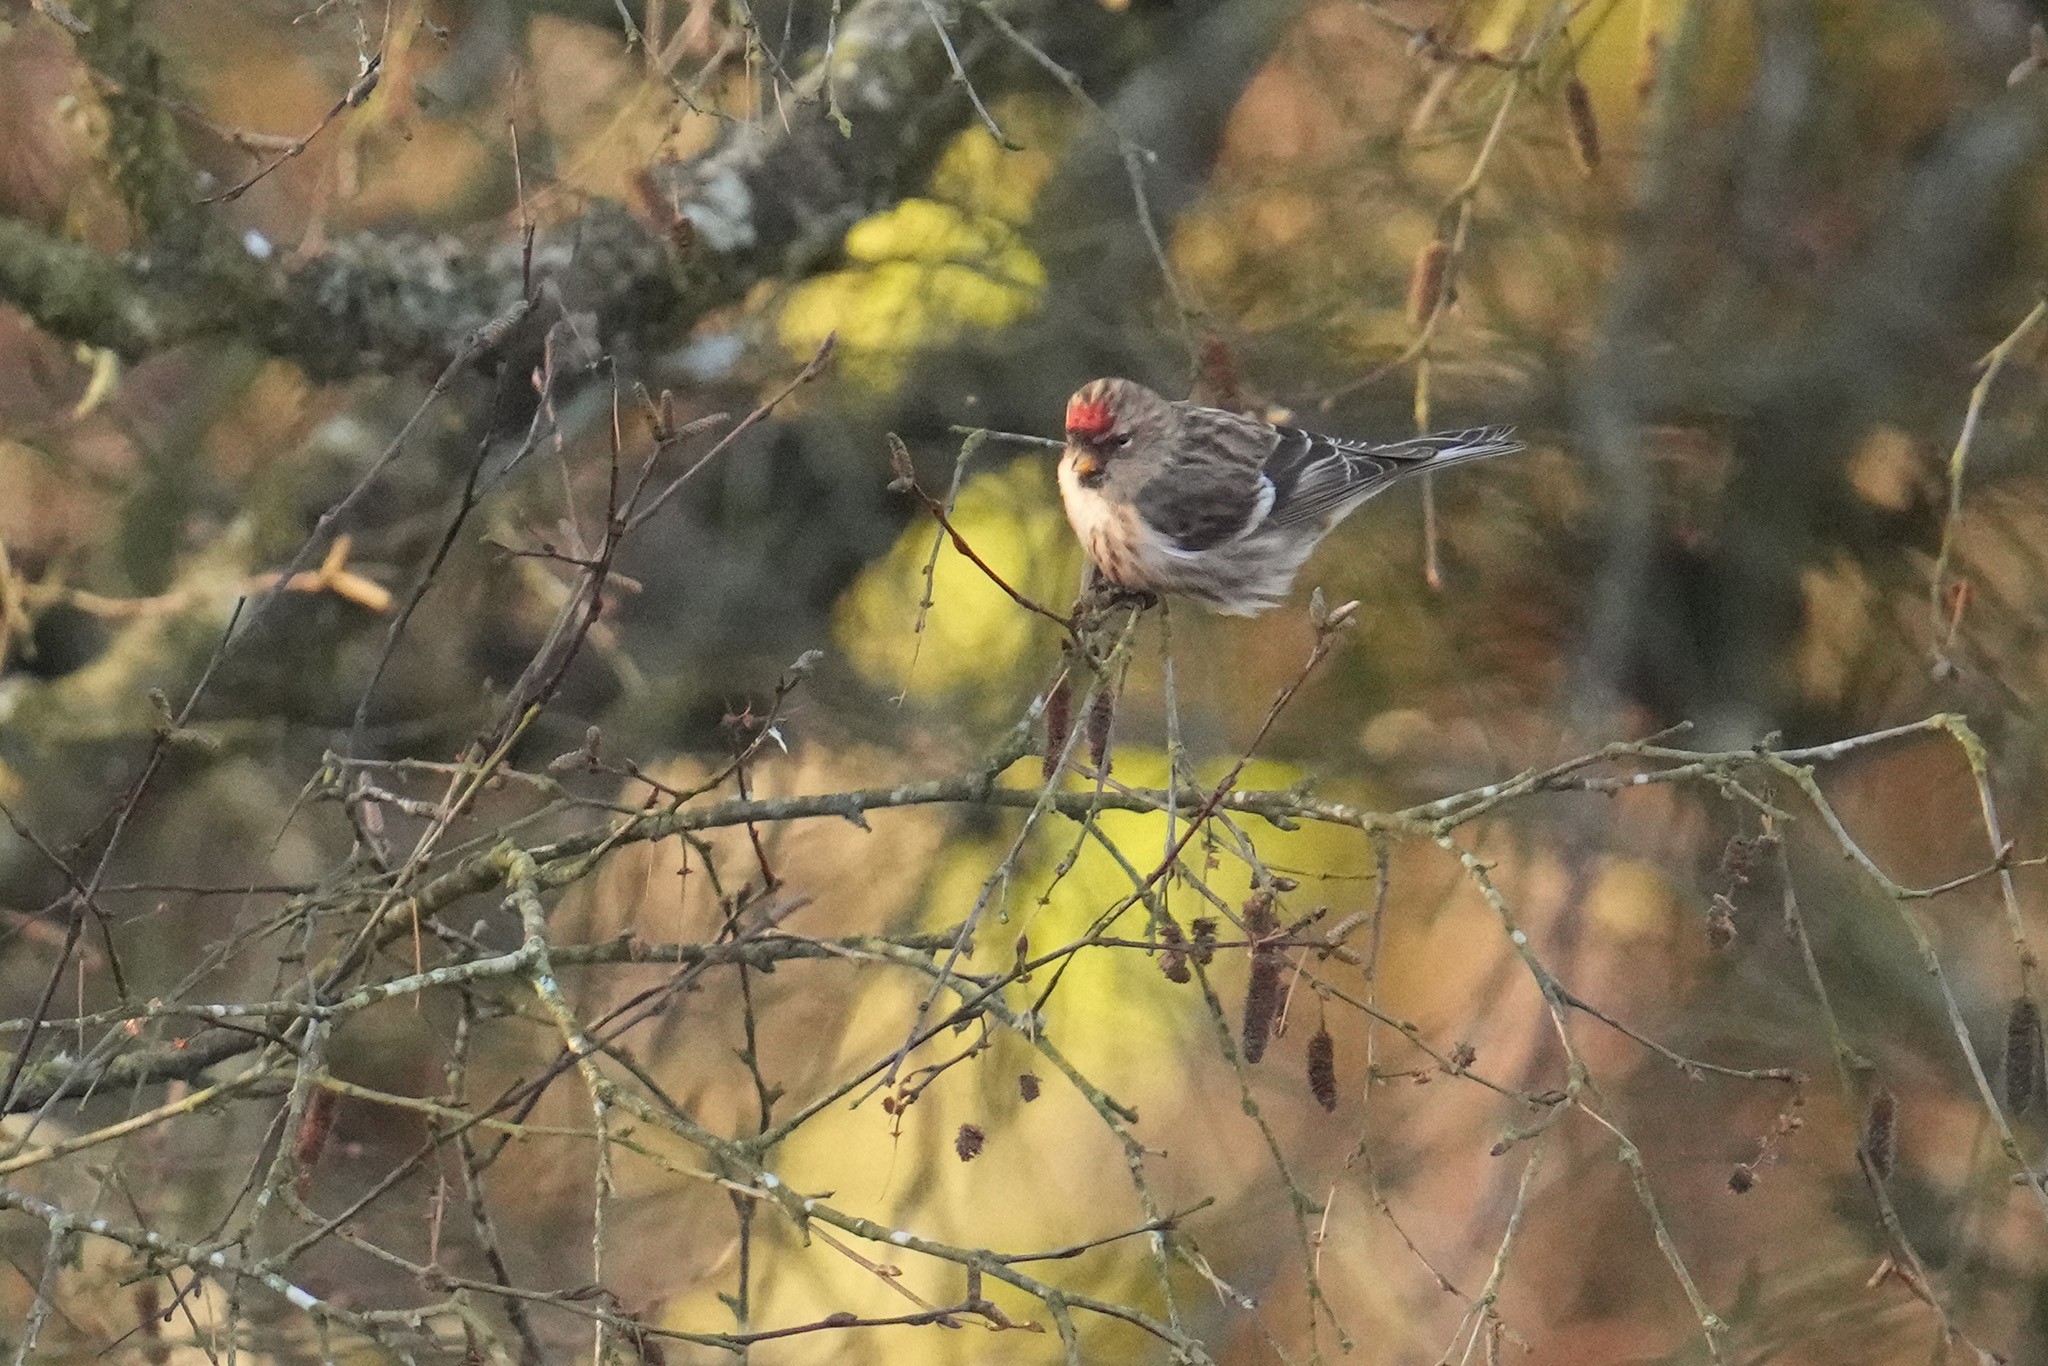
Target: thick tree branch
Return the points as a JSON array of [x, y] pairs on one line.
[[772, 199], [81, 294]]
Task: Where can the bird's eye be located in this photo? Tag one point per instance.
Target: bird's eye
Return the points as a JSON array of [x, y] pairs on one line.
[[1119, 441]]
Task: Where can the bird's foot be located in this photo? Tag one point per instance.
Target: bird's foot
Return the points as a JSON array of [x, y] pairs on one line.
[[1100, 600], [1102, 596]]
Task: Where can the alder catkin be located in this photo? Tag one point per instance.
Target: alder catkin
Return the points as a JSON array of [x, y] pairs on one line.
[[1262, 995], [1585, 130], [1261, 1003], [1652, 67], [1426, 280], [1322, 1068], [149, 1319], [1101, 712], [1259, 920], [1219, 375], [1059, 723], [1880, 1146], [1739, 857], [2022, 1055], [315, 1125]]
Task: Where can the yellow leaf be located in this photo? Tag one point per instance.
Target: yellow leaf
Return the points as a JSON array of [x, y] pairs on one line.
[[106, 375], [928, 268]]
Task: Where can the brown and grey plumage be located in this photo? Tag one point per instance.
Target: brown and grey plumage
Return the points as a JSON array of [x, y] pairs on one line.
[[1174, 498]]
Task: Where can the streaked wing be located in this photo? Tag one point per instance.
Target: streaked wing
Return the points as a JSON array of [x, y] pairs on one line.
[[1316, 477], [1214, 491]]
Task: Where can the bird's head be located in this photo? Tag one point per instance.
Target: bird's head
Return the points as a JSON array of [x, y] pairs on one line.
[[1106, 418]]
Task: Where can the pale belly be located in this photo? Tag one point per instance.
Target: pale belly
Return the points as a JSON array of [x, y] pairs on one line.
[[1242, 578]]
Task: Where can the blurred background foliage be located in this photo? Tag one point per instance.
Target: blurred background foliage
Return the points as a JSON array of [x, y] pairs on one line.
[[1730, 267]]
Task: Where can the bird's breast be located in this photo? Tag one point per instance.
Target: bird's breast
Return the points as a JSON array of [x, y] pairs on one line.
[[1108, 530]]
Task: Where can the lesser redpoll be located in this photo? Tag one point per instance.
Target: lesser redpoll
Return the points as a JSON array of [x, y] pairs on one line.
[[1174, 498]]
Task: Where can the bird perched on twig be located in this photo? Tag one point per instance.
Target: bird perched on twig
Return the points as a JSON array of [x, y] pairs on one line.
[[1177, 499]]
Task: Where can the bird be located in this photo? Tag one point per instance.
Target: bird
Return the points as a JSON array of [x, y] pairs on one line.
[[1173, 499]]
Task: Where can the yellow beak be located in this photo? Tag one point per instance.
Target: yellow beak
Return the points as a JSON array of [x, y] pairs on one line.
[[1087, 464]]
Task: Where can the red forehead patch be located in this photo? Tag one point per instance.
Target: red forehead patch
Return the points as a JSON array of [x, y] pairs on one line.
[[1088, 417]]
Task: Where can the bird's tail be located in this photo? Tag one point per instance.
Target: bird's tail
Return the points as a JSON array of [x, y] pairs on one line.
[[1441, 450]]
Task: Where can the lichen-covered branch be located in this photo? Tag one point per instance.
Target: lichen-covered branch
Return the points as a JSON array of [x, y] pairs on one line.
[[771, 199]]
